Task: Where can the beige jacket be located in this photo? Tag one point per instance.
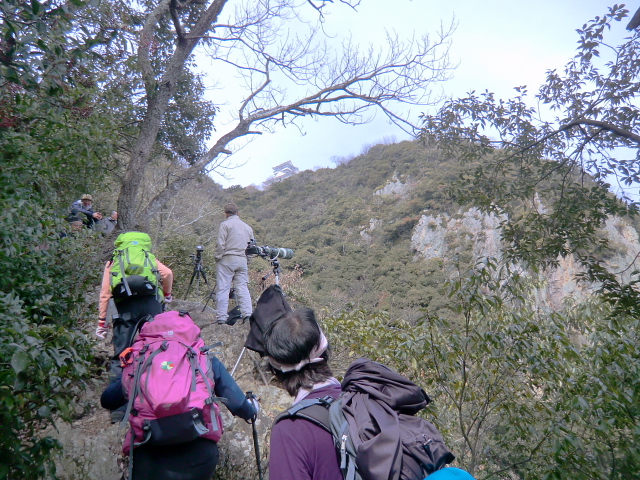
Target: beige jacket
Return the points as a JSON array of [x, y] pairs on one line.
[[233, 237], [166, 276]]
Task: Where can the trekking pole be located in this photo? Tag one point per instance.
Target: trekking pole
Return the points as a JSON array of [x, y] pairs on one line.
[[256, 446], [238, 361]]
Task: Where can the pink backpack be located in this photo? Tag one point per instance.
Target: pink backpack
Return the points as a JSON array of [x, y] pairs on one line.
[[167, 379]]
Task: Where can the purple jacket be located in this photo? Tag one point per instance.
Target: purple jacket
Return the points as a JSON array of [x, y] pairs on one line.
[[301, 450]]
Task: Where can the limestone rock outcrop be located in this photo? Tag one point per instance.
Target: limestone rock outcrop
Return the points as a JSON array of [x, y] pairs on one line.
[[443, 236]]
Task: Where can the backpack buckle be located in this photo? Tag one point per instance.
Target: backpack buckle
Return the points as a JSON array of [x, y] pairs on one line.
[[326, 400], [126, 357], [206, 348]]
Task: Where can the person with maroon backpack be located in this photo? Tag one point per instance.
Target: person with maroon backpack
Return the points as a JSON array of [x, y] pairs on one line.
[[363, 429], [298, 354], [171, 386]]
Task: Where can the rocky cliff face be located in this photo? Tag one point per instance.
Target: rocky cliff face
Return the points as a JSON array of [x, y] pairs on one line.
[[443, 236], [473, 233]]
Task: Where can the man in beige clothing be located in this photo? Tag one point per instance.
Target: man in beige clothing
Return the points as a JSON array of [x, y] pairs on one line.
[[233, 237]]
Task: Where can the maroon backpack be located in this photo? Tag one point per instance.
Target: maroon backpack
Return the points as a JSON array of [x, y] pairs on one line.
[[375, 427]]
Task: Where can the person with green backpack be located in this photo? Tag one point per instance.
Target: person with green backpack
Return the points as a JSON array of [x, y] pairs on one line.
[[138, 285]]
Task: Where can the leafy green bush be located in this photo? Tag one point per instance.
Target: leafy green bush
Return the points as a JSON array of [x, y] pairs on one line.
[[51, 147], [373, 335], [518, 392], [46, 354]]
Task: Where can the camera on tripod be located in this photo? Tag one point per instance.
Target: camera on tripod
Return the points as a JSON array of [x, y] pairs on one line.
[[197, 258], [266, 252], [198, 271]]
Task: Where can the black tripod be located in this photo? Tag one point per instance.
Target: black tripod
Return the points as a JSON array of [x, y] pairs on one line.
[[276, 271], [212, 295], [198, 271]]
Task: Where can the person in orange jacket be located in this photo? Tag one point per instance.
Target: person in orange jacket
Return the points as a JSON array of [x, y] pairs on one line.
[[129, 312]]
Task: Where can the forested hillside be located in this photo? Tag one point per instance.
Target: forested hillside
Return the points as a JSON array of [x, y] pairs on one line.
[[351, 241], [380, 231]]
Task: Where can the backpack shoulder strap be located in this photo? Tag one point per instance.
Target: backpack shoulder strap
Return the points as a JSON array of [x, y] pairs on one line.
[[150, 260], [120, 259], [315, 410], [141, 365]]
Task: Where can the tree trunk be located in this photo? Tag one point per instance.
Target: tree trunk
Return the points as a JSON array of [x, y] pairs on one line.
[[158, 96]]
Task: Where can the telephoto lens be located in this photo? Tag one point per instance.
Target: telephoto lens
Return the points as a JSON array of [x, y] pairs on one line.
[[285, 253], [267, 252]]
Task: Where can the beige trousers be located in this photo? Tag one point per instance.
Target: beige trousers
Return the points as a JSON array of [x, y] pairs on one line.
[[232, 270]]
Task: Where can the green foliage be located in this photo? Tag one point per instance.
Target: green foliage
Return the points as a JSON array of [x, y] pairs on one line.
[[373, 335], [518, 392], [552, 178], [600, 429], [46, 160], [188, 121], [35, 39], [46, 353]]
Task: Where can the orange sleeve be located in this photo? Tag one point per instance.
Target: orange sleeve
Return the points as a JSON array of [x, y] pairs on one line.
[[105, 292], [167, 278]]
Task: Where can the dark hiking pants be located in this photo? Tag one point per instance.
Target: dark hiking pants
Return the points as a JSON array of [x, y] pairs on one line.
[[130, 313]]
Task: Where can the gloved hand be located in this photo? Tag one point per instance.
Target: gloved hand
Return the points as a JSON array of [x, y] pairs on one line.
[[256, 405], [101, 331], [168, 298]]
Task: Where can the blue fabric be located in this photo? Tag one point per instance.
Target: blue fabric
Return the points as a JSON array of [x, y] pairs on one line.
[[225, 386], [450, 473], [113, 397]]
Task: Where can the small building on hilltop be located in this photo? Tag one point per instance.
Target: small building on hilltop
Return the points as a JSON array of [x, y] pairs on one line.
[[282, 171]]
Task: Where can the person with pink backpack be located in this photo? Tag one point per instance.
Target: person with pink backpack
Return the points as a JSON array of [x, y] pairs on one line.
[[171, 384]]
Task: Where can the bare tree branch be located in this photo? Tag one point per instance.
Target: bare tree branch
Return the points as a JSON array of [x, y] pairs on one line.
[[158, 95], [604, 126], [288, 76], [176, 20]]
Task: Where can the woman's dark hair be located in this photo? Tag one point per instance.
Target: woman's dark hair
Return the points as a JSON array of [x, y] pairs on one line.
[[291, 339]]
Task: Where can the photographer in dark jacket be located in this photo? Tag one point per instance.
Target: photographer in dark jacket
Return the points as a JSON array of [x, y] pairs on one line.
[[84, 207]]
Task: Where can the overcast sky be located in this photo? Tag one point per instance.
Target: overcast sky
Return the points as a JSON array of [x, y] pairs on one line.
[[498, 44]]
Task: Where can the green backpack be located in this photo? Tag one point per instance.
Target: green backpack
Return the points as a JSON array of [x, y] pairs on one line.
[[134, 271]]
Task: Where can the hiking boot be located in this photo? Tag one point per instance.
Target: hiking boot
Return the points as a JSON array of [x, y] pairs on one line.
[[234, 315]]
